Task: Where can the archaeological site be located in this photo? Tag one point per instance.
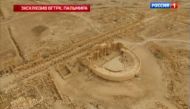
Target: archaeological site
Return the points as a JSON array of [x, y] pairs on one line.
[[120, 55]]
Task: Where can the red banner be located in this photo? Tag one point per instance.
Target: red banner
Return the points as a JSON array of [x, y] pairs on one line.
[[51, 8]]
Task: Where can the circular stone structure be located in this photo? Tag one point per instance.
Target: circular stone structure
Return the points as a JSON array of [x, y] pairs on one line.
[[112, 61]]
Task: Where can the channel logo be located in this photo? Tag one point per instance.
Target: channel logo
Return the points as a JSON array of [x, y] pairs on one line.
[[163, 5]]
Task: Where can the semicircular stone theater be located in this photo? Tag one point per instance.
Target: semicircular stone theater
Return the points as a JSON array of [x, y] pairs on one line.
[[112, 61]]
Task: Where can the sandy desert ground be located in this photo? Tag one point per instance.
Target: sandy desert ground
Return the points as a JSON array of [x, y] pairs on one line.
[[41, 53]]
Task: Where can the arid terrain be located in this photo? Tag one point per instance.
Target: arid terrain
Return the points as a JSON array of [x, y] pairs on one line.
[[77, 60]]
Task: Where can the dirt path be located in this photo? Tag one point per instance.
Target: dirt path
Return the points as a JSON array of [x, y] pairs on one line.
[[135, 45], [151, 70], [151, 79]]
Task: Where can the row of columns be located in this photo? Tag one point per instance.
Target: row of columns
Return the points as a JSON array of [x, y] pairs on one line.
[[103, 50]]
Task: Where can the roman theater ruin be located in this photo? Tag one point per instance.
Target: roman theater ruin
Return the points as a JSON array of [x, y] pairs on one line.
[[112, 61]]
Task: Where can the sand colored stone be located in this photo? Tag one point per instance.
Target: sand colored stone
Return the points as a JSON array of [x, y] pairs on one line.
[[114, 65]]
